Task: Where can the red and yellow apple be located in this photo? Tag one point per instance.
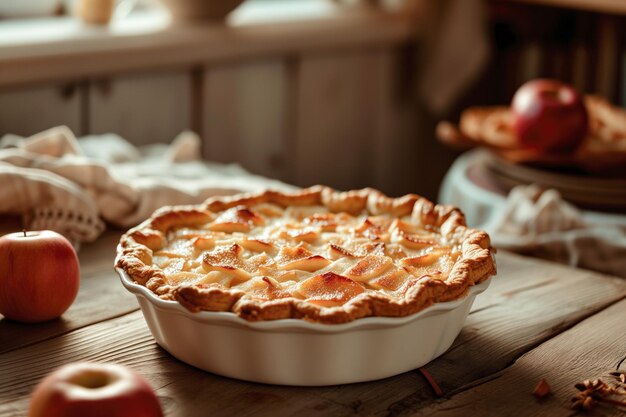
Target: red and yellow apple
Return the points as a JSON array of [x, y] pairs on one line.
[[39, 276], [549, 116], [94, 390]]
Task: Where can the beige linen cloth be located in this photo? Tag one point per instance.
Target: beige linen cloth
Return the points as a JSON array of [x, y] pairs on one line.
[[75, 187], [540, 223]]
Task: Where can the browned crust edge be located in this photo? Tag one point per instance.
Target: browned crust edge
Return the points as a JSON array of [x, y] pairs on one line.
[[475, 264]]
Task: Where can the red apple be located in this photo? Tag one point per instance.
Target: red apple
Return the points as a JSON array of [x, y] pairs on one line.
[[94, 390], [39, 276], [550, 116]]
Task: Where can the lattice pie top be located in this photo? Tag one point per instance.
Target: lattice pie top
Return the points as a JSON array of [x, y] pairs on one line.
[[317, 254]]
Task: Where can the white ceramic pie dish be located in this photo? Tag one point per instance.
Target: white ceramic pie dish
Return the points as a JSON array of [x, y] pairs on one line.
[[298, 352]]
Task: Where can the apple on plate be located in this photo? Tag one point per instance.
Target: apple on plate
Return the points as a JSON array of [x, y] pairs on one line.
[[94, 390], [549, 116], [39, 276]]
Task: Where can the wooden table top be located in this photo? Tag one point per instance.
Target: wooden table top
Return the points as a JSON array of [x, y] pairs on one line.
[[537, 320]]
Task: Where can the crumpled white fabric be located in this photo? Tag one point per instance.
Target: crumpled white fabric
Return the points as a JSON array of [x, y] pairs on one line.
[[75, 187], [540, 223]]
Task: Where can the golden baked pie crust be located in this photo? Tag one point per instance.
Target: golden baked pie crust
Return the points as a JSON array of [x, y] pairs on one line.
[[409, 254]]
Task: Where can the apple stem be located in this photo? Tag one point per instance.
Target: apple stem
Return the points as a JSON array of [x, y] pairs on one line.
[[24, 231]]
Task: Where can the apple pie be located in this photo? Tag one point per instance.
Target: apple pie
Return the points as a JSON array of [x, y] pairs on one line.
[[316, 254]]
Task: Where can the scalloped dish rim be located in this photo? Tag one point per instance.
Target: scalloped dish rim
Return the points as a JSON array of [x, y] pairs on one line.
[[230, 318]]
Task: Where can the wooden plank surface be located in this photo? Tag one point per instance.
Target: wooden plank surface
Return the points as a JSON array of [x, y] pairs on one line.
[[183, 390], [589, 350], [529, 302], [100, 297]]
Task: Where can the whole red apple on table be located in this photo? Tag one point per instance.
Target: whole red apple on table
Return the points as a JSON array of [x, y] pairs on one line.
[[549, 116], [39, 275], [94, 390]]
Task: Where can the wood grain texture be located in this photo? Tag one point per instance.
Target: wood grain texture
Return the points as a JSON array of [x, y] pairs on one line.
[[142, 109], [245, 116], [589, 350], [100, 297], [517, 318], [529, 302], [183, 390]]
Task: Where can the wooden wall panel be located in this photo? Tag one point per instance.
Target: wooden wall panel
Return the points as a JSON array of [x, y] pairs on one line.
[[246, 116], [142, 108], [28, 111], [397, 159], [336, 122], [344, 120], [353, 126]]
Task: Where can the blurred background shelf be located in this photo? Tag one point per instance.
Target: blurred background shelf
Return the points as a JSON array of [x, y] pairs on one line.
[[61, 48], [263, 88], [307, 92]]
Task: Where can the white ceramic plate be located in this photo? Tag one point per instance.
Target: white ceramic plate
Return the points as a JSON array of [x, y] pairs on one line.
[[297, 352]]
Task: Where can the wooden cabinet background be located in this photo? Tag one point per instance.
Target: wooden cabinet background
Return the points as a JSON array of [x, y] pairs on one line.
[[246, 115], [30, 110], [334, 117], [144, 108]]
